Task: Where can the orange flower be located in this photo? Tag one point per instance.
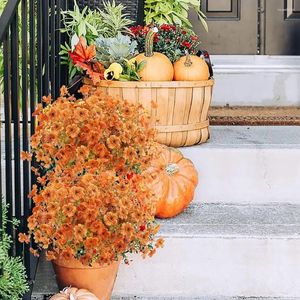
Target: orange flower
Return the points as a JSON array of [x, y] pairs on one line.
[[79, 232], [111, 219], [91, 242], [72, 131], [85, 89], [77, 192], [34, 252], [69, 210], [23, 238], [46, 99], [51, 255], [159, 243], [127, 229], [113, 142], [130, 153], [64, 91], [67, 254], [26, 155]]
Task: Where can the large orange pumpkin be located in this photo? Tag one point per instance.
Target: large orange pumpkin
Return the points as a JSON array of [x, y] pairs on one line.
[[174, 181], [157, 65], [72, 293], [191, 68]]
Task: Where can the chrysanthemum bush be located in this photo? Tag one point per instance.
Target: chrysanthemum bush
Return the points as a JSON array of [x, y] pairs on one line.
[[92, 202], [173, 41]]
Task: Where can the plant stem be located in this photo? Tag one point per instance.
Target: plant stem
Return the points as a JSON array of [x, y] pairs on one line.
[[149, 42]]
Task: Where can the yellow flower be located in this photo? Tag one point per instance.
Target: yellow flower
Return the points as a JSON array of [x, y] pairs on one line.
[[113, 72], [131, 62]]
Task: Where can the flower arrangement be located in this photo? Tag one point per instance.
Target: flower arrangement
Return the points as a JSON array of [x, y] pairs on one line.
[[116, 53], [93, 202], [171, 40]]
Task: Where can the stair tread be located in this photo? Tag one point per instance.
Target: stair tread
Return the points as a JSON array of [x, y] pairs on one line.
[[253, 137], [234, 220]]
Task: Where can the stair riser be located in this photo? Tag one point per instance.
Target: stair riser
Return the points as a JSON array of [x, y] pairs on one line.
[[240, 175], [215, 266], [256, 89], [256, 80]]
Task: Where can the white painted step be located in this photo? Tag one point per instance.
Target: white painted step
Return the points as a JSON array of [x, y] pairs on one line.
[[222, 250], [258, 80], [214, 251], [243, 164]]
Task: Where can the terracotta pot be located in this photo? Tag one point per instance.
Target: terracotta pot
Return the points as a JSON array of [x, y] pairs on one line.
[[98, 280]]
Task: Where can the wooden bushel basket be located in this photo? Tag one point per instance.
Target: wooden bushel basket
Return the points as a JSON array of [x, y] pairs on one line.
[[180, 110]]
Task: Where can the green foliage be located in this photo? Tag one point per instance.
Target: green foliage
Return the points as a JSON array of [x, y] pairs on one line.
[[13, 281], [173, 12], [116, 49], [131, 70], [91, 24]]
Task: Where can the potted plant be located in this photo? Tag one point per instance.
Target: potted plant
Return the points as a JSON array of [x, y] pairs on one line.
[[93, 205]]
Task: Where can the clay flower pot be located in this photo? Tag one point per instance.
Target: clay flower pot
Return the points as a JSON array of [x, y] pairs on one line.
[[97, 279]]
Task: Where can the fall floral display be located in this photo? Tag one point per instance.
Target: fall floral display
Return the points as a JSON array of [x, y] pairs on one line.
[[105, 53], [93, 202]]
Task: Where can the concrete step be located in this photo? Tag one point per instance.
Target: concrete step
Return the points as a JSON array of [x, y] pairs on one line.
[[240, 164], [214, 251], [258, 80]]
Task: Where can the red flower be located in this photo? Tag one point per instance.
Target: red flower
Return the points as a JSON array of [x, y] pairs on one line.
[[82, 53], [82, 57], [186, 44]]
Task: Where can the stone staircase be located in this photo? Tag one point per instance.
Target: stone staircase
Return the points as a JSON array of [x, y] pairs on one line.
[[240, 239]]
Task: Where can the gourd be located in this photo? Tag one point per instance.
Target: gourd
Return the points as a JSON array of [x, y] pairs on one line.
[[191, 67], [157, 65], [174, 181], [72, 293]]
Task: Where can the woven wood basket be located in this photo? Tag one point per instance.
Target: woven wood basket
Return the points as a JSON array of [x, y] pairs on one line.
[[180, 108]]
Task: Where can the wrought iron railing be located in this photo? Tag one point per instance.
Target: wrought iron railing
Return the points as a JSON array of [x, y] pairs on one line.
[[29, 44]]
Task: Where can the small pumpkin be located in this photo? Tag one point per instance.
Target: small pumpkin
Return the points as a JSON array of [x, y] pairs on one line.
[[72, 293], [191, 68], [157, 65], [174, 182]]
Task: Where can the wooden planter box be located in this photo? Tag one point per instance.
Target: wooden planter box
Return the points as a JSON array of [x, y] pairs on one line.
[[180, 108]]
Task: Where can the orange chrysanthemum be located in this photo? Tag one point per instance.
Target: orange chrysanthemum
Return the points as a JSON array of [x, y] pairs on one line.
[[93, 202]]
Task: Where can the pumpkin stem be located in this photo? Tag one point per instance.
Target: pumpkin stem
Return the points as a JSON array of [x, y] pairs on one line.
[[172, 169], [149, 41], [188, 61]]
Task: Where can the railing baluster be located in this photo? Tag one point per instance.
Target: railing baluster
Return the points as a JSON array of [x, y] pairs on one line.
[[16, 119], [39, 50], [26, 172], [32, 54], [53, 42], [57, 47], [7, 113], [45, 42]]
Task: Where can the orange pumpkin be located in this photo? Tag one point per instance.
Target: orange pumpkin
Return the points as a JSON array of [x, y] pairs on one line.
[[174, 181], [72, 293], [191, 68], [157, 65]]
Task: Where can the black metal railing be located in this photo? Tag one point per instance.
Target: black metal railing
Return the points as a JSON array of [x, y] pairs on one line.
[[30, 43]]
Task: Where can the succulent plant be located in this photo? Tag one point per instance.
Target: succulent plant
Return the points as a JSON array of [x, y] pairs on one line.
[[116, 49]]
